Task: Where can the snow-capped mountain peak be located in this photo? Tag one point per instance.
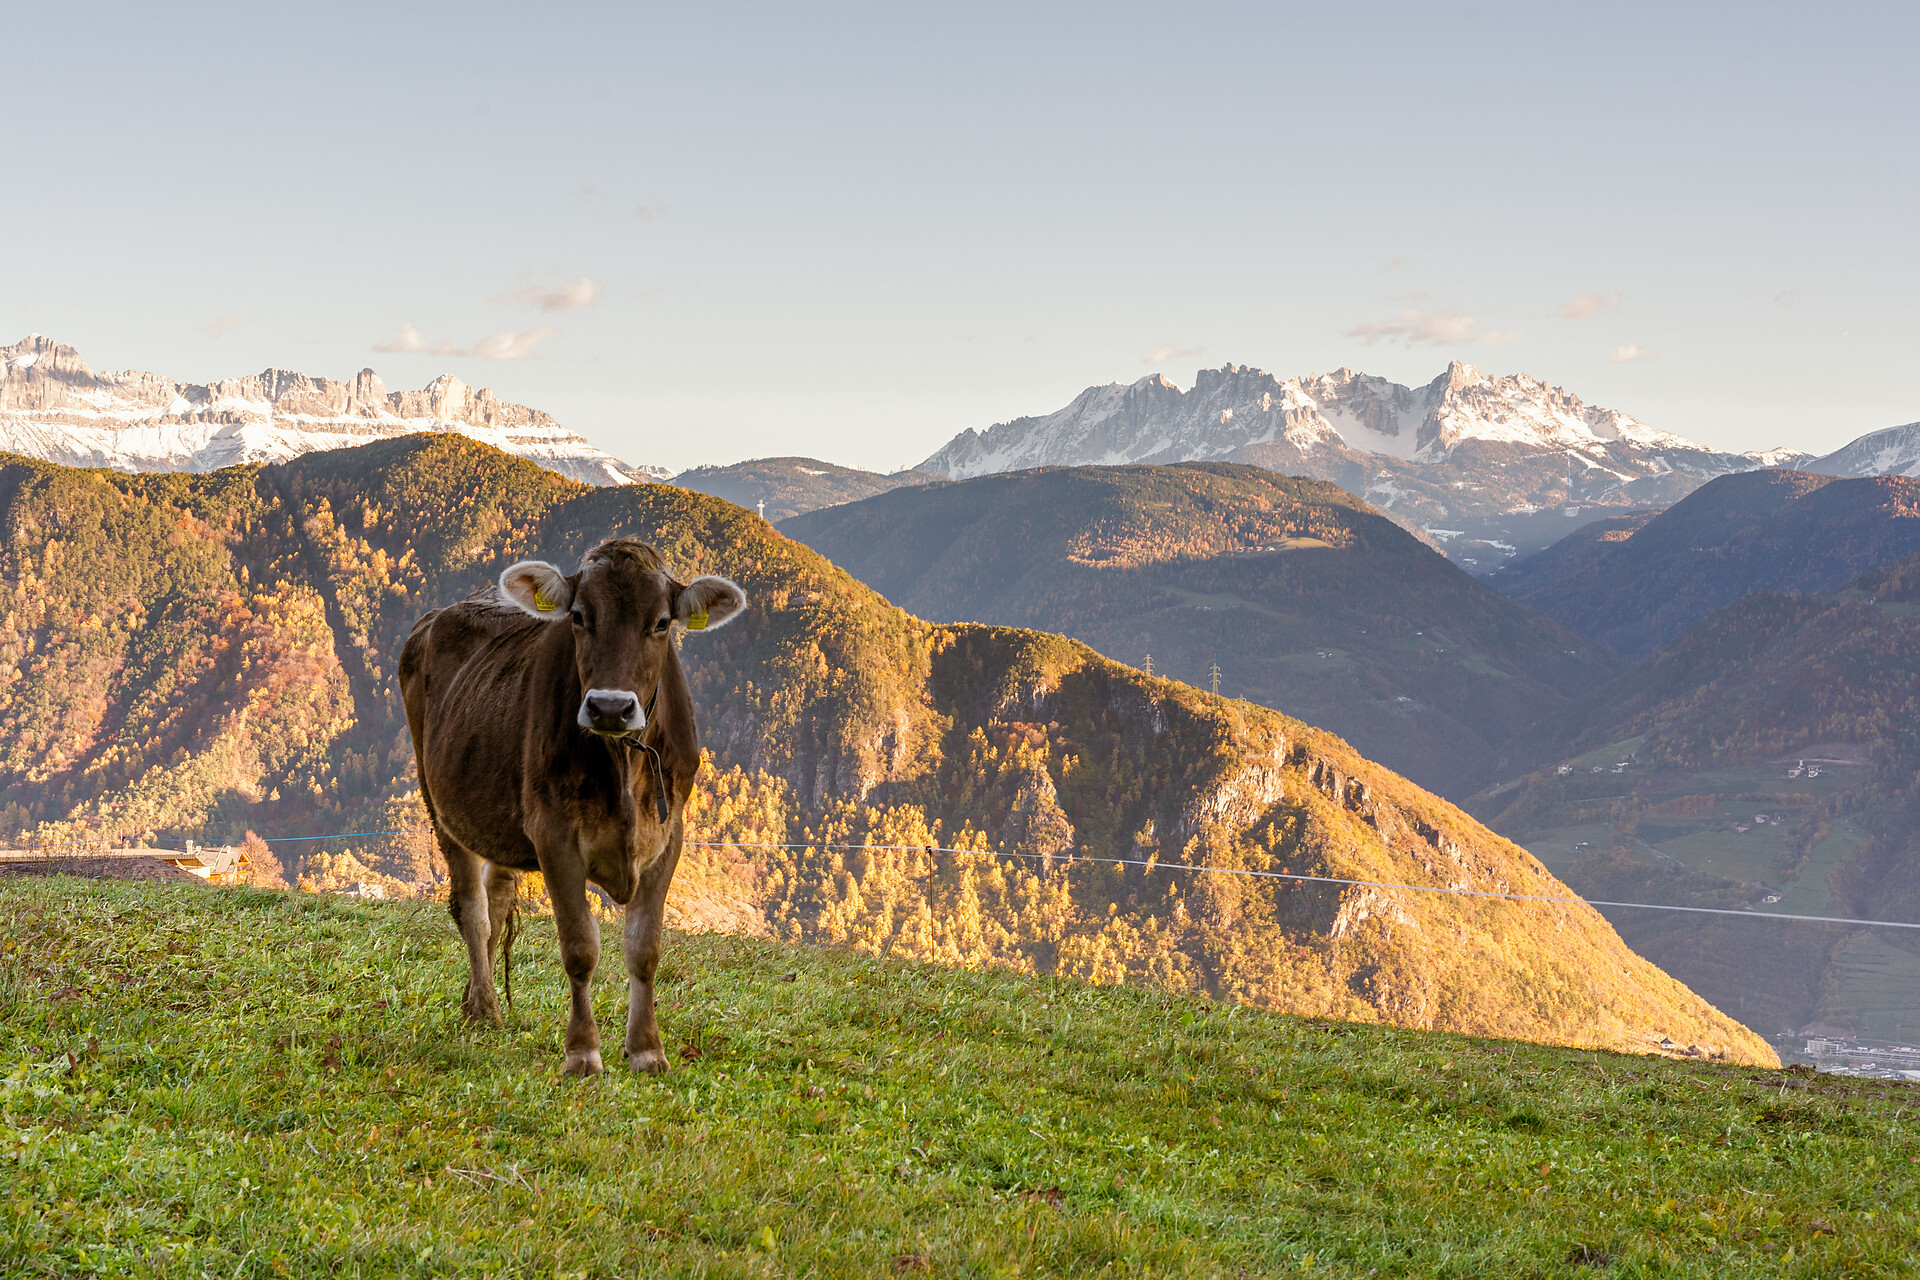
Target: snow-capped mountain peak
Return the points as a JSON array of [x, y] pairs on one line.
[[54, 406], [1894, 451], [1236, 406], [1459, 460]]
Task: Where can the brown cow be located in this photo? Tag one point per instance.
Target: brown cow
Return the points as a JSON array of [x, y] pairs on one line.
[[553, 731]]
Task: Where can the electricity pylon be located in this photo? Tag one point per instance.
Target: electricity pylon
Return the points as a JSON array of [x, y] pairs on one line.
[[1149, 666], [1213, 673]]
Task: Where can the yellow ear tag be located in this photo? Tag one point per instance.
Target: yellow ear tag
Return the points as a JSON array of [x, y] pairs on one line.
[[542, 601], [697, 622]]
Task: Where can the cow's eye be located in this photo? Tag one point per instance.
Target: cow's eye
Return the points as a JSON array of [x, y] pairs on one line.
[[660, 627], [579, 618]]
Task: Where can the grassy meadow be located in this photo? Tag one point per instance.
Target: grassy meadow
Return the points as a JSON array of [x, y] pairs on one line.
[[204, 1082]]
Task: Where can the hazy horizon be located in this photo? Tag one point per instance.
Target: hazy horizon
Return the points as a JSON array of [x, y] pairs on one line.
[[851, 233]]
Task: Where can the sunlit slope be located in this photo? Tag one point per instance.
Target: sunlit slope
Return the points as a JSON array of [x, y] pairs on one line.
[[832, 718], [1308, 600]]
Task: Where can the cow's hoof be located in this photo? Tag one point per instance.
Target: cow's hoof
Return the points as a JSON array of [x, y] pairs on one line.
[[583, 1064], [484, 1012], [648, 1061]]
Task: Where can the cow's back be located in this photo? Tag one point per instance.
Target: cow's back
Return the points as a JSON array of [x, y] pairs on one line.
[[470, 674], [442, 646]]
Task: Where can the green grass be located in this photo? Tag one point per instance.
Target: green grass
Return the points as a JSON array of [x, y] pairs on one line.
[[1609, 755], [1754, 855], [1219, 601], [1806, 894], [1478, 664], [229, 1083], [1710, 846], [1869, 985], [1558, 847], [1772, 779], [1310, 661]]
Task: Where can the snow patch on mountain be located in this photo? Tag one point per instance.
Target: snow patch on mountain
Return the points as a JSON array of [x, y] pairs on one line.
[[1894, 451], [53, 406]]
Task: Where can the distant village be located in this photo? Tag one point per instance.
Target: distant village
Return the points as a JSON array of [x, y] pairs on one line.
[[1854, 1058]]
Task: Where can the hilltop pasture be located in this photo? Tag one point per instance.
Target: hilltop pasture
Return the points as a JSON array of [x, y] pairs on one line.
[[247, 1083], [203, 656]]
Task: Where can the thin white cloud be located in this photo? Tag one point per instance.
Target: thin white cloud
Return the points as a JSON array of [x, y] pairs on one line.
[[1395, 263], [1789, 297], [506, 345], [1160, 355], [1449, 326], [510, 345], [643, 213], [411, 340], [1628, 352], [220, 324], [558, 295], [1589, 305]]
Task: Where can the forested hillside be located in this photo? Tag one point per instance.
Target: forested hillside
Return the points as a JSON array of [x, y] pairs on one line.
[[1308, 600], [1767, 758], [203, 655], [1768, 530]]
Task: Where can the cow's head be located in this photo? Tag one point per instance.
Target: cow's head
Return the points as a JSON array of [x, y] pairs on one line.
[[622, 606]]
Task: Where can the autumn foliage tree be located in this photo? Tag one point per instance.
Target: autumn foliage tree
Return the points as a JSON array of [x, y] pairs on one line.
[[264, 870]]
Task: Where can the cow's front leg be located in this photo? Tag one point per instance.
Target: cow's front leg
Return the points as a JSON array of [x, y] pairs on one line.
[[579, 953], [467, 902], [641, 945]]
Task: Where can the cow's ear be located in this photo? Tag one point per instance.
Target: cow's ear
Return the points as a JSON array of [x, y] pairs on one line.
[[706, 603], [537, 588]]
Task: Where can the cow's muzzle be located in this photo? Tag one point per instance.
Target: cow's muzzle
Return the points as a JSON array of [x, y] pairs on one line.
[[612, 711]]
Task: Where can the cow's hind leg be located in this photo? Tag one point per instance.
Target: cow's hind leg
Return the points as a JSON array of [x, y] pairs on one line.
[[467, 903], [641, 944], [579, 953]]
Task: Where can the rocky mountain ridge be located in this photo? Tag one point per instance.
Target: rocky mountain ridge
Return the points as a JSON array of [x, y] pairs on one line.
[[1470, 461], [54, 407]]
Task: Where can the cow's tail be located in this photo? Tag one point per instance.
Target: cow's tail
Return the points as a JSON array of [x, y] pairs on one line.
[[506, 949]]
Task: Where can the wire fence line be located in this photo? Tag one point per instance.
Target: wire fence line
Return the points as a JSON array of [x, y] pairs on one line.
[[107, 843], [1156, 865]]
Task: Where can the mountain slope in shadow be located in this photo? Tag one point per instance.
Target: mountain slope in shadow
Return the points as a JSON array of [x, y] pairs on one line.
[[1770, 530], [1305, 598]]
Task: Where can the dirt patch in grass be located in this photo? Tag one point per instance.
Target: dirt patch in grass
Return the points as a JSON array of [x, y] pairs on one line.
[[103, 869]]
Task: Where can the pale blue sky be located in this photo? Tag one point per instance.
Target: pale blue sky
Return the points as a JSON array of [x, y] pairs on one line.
[[851, 231]]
